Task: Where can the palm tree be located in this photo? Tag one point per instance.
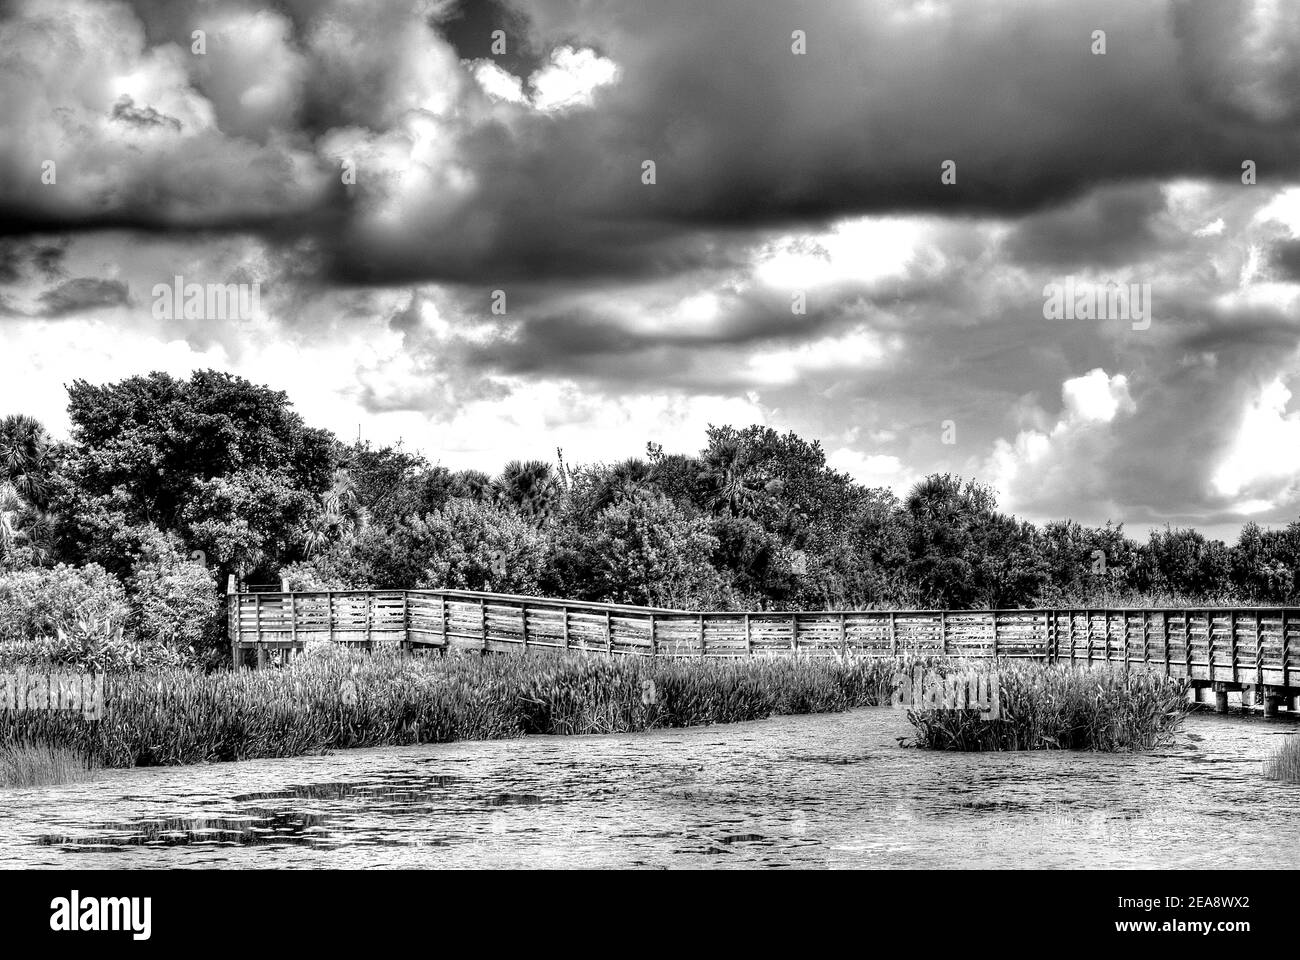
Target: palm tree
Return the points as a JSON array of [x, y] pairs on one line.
[[622, 481], [26, 458], [732, 477], [472, 485], [529, 486]]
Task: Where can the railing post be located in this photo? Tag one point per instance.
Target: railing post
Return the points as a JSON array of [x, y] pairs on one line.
[[794, 633], [482, 620], [564, 612], [994, 614], [1164, 636], [1209, 644], [1087, 626], [1259, 650], [749, 639], [609, 634], [893, 635], [446, 641], [654, 647], [1232, 641], [233, 626], [523, 616], [943, 632], [1286, 653], [329, 600], [703, 642], [844, 637]]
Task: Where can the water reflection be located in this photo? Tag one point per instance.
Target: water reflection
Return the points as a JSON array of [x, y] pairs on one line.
[[834, 790]]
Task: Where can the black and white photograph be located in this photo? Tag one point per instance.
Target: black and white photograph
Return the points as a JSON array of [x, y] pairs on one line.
[[759, 438]]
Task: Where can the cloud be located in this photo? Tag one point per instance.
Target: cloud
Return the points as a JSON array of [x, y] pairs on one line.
[[82, 294]]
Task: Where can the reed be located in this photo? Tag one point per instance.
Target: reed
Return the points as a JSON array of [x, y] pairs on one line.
[[352, 699], [1284, 765], [35, 764], [1057, 707]]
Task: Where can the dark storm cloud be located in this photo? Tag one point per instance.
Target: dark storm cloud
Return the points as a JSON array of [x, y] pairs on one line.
[[1286, 258], [744, 133], [82, 294], [1111, 226]]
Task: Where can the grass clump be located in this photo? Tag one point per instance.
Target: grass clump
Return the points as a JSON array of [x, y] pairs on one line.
[[34, 764], [1284, 765], [353, 699], [1058, 707]]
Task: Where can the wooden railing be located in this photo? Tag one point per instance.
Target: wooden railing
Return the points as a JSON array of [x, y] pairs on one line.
[[1257, 646]]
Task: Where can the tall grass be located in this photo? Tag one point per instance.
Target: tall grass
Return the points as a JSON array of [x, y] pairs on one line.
[[1284, 765], [349, 699], [1058, 707], [33, 764]]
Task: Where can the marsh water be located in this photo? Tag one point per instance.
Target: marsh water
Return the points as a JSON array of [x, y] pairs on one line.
[[807, 791]]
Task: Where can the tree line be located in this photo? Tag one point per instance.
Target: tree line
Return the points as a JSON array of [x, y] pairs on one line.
[[167, 486]]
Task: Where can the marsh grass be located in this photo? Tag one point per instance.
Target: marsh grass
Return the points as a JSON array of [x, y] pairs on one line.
[[1058, 707], [1284, 765], [352, 699], [33, 764]]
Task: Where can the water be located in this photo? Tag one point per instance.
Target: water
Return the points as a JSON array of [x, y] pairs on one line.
[[834, 790]]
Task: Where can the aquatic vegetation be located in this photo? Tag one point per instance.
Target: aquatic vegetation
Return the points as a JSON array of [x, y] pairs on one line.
[[36, 764], [352, 699], [1284, 765], [1058, 707]]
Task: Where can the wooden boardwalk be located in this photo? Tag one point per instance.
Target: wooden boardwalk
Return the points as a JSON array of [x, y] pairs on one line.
[[1256, 649]]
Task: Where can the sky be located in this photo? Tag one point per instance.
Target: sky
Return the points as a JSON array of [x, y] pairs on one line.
[[857, 216]]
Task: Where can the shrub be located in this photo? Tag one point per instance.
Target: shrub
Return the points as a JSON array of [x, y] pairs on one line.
[[36, 603], [175, 608]]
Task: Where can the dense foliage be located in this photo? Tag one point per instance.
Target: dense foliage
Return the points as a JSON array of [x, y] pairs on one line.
[[168, 487]]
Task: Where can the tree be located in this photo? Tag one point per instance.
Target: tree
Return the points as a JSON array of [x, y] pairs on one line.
[[963, 553], [226, 465], [647, 551], [530, 487]]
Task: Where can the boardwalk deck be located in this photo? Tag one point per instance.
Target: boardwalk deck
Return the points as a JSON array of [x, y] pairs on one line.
[[1254, 648]]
